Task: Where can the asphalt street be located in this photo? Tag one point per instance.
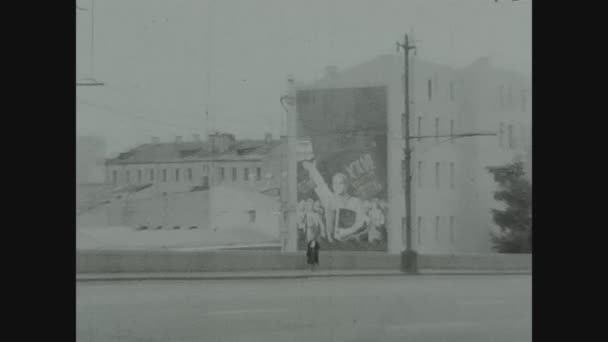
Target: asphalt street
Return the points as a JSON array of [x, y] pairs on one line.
[[409, 308]]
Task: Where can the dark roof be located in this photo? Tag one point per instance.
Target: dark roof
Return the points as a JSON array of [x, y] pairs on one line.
[[158, 152], [192, 151]]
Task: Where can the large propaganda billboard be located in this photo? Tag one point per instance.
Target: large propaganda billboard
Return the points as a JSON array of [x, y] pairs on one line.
[[342, 183]]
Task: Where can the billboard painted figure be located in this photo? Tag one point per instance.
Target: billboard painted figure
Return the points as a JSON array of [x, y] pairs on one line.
[[342, 185]]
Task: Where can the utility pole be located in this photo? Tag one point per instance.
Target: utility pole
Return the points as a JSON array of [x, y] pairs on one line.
[[409, 262], [283, 187], [90, 82], [409, 256], [288, 182]]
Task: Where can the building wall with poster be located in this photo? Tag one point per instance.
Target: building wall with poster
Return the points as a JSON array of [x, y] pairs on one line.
[[452, 191], [342, 189]]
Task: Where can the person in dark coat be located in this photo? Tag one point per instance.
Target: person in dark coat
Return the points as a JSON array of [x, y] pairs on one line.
[[312, 253]]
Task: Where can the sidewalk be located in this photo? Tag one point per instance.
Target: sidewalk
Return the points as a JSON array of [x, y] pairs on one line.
[[295, 274]]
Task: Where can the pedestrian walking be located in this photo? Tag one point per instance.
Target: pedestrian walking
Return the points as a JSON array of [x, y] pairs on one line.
[[312, 254]]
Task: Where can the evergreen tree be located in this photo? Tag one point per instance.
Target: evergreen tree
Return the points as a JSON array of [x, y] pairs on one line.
[[515, 221]]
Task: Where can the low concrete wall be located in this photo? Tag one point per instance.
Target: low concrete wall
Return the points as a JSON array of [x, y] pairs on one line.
[[224, 261], [256, 260], [494, 262]]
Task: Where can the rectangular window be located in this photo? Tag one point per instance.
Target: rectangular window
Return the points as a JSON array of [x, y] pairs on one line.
[[510, 96], [115, 177], [436, 129], [430, 89], [420, 174], [164, 175], [222, 174], [419, 128], [419, 230], [234, 174], [502, 96], [258, 174], [437, 228], [451, 175], [246, 174], [451, 131], [437, 175], [151, 174], [452, 229], [501, 134], [511, 138], [205, 181], [177, 175], [128, 176], [139, 176], [190, 174], [451, 91]]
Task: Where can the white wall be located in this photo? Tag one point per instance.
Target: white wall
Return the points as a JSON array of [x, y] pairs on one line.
[[474, 108], [221, 207]]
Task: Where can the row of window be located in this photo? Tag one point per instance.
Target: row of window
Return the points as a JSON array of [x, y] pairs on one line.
[[246, 173], [420, 175], [509, 102], [429, 89], [509, 142], [420, 135], [510, 136], [437, 222], [178, 175], [503, 103]]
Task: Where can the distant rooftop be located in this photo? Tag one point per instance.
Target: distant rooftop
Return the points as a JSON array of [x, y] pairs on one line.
[[377, 70], [193, 151]]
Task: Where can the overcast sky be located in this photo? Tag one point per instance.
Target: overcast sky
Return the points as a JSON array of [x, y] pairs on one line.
[[165, 61]]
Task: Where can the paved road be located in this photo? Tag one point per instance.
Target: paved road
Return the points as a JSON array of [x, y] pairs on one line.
[[410, 308]]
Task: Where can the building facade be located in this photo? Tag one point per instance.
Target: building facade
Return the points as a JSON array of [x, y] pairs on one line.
[[452, 190], [218, 184], [183, 165]]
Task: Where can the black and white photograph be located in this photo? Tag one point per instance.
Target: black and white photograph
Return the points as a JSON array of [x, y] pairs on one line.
[[322, 170]]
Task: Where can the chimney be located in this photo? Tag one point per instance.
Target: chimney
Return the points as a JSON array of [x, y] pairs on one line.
[[268, 138], [155, 140], [222, 142], [196, 137], [178, 139], [229, 141], [331, 71]]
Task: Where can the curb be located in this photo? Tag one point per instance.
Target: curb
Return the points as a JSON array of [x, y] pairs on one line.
[[167, 276]]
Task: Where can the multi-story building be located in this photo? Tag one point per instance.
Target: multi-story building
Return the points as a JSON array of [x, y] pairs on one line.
[[452, 189], [219, 183], [182, 165]]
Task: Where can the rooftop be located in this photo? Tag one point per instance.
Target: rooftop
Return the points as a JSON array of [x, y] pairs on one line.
[[193, 151]]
